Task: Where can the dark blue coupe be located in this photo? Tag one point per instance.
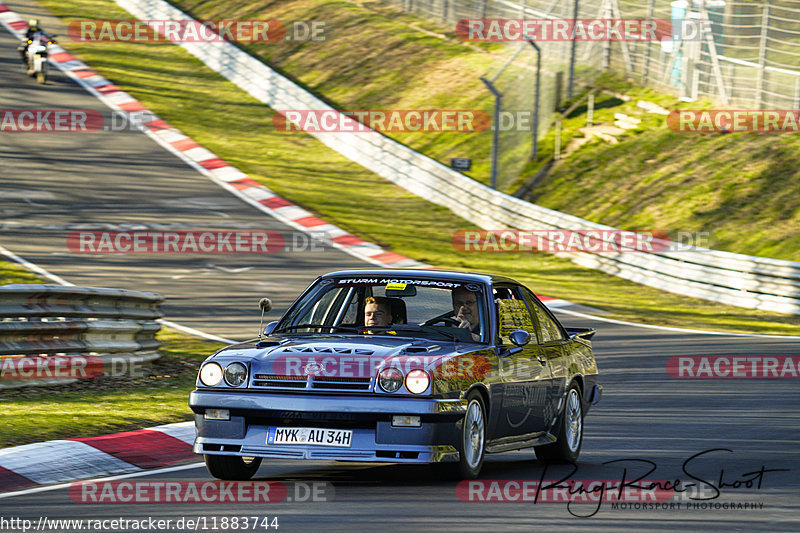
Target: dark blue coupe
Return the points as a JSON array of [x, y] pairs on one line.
[[399, 366]]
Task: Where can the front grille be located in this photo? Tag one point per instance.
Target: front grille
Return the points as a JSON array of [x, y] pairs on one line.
[[340, 383], [279, 381]]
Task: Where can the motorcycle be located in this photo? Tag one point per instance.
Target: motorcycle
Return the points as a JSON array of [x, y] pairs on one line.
[[36, 56]]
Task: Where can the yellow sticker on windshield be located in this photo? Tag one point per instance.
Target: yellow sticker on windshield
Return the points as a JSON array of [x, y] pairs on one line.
[[395, 286]]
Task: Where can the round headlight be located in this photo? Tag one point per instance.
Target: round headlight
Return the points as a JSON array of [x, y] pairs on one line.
[[417, 381], [211, 374], [235, 374], [390, 379]]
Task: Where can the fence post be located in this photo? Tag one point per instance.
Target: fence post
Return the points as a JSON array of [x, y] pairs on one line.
[[647, 44], [762, 56], [535, 150], [445, 5], [796, 92], [590, 110], [572, 53], [557, 147], [558, 90], [496, 128]]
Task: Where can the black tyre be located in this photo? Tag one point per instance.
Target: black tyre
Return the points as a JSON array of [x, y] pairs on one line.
[[570, 435], [232, 468], [473, 438]]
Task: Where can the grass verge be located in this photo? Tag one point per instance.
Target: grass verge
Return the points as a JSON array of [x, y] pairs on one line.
[[238, 128]]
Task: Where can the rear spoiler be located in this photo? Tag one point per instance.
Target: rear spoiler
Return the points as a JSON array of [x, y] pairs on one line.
[[584, 333]]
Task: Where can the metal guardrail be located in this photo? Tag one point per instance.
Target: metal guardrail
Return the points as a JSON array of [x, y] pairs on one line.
[[729, 278], [41, 321]]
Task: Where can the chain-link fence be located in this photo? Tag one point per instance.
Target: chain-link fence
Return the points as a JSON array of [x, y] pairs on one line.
[[751, 56], [746, 55]]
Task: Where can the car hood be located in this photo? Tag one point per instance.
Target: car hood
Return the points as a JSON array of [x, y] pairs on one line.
[[342, 356]]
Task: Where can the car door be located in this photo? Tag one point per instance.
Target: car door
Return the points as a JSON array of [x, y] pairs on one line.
[[525, 377], [552, 346]]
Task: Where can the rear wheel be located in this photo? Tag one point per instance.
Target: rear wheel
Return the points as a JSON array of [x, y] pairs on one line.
[[41, 76], [232, 468], [570, 436]]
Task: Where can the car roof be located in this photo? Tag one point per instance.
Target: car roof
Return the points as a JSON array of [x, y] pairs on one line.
[[424, 273]]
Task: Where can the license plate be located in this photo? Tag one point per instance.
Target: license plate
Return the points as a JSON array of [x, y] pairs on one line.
[[341, 438]]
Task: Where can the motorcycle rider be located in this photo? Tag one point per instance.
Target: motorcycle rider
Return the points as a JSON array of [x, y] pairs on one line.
[[33, 28]]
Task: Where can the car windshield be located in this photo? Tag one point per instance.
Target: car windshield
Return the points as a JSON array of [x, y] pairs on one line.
[[437, 309]]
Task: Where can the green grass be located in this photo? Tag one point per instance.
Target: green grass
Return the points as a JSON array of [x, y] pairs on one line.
[[11, 273], [740, 188], [239, 129]]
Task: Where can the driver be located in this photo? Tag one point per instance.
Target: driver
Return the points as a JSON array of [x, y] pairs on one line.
[[377, 311], [465, 307]]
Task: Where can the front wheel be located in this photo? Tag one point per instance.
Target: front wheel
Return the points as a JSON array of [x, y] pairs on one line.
[[567, 447], [232, 468], [473, 438]]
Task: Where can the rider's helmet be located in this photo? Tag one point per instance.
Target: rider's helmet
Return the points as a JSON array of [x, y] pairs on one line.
[[33, 23]]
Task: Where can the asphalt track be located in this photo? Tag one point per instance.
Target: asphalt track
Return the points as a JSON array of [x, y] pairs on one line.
[[51, 184]]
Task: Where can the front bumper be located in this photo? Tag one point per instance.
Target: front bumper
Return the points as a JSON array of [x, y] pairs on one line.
[[369, 417]]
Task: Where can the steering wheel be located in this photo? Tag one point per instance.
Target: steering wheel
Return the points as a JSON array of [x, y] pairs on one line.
[[446, 318]]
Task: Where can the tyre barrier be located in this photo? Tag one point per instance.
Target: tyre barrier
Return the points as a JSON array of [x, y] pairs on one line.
[[56, 334]]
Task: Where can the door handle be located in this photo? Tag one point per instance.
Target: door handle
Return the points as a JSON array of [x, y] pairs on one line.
[[541, 360]]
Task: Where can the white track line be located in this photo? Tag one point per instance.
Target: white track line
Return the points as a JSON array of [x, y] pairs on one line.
[[668, 328]]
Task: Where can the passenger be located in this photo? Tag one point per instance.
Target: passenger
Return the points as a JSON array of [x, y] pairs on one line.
[[377, 311]]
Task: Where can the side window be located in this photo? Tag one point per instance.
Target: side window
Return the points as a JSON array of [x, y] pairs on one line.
[[548, 329], [512, 314]]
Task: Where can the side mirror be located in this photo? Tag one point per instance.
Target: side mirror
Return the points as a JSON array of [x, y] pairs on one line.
[[520, 337], [266, 306], [270, 327]]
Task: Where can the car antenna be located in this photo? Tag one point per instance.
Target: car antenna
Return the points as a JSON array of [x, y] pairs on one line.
[[266, 305]]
